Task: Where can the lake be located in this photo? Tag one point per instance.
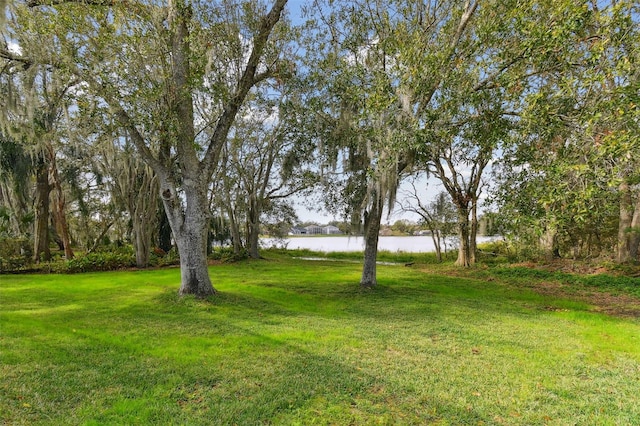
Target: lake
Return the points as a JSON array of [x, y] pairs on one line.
[[411, 244]]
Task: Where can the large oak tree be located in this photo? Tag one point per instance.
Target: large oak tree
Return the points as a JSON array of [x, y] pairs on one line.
[[152, 63]]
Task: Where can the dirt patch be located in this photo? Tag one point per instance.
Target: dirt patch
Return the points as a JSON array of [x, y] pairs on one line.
[[612, 304], [617, 304], [621, 305]]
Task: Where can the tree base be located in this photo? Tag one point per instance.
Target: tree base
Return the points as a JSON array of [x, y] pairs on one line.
[[368, 285]]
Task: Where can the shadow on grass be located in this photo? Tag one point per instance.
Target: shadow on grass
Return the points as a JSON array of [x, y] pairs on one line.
[[129, 374], [288, 348]]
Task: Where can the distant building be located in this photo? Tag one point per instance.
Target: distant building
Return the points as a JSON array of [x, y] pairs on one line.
[[297, 231], [330, 229], [313, 229]]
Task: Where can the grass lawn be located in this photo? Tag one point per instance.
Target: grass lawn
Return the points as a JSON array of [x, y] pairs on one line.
[[290, 341]]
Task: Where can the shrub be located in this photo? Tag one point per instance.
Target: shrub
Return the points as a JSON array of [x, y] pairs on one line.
[[15, 254], [161, 258], [101, 261], [226, 254]]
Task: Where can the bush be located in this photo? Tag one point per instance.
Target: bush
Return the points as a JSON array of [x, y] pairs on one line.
[[161, 258], [15, 254], [226, 254], [14, 263], [100, 261]]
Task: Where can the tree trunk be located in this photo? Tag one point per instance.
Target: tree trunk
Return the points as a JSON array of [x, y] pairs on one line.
[[98, 240], [41, 249], [143, 242], [60, 205], [63, 226], [549, 238], [473, 244], [634, 237], [372, 231], [626, 205], [548, 242], [190, 225], [253, 229], [464, 251], [164, 231], [435, 236], [194, 273], [254, 240], [236, 239], [142, 209]]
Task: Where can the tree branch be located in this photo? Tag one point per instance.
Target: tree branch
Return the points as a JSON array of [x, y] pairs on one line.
[[36, 3], [6, 54], [469, 10], [247, 81]]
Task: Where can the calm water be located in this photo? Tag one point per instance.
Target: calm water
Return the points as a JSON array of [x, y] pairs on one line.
[[421, 244]]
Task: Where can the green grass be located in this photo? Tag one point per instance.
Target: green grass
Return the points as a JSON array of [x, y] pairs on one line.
[[383, 255], [290, 341]]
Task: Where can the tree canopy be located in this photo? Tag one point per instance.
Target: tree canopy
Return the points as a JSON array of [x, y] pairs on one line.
[[157, 121]]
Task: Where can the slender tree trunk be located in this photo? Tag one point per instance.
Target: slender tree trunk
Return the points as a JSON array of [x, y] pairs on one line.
[[21, 208], [143, 242], [435, 236], [236, 239], [634, 237], [63, 226], [253, 231], [104, 231], [54, 233], [60, 205], [548, 242], [164, 228], [549, 238], [41, 249], [464, 252], [473, 244], [372, 231], [626, 206], [142, 209]]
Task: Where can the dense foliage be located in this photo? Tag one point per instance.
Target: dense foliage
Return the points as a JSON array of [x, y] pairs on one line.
[[188, 125]]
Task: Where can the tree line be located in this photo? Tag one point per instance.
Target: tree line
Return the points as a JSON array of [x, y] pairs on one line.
[[184, 121]]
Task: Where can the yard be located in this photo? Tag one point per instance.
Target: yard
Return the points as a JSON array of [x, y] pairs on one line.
[[291, 341]]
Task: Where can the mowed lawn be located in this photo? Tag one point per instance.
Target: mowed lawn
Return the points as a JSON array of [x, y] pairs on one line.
[[290, 341]]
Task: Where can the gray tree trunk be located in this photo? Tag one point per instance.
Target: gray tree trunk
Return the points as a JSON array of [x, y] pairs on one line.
[[192, 246], [41, 249], [253, 228], [142, 233], [236, 238], [464, 251], [548, 242], [473, 243], [624, 224], [435, 236], [372, 231], [634, 237], [254, 240], [190, 225], [62, 226]]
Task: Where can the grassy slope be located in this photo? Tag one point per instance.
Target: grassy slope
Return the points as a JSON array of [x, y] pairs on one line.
[[296, 342]]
